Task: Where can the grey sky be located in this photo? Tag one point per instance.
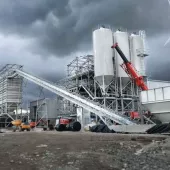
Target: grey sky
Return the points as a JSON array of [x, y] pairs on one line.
[[44, 35]]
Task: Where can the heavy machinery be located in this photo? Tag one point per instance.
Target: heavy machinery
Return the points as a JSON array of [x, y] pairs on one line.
[[19, 125], [45, 124], [130, 70], [67, 124]]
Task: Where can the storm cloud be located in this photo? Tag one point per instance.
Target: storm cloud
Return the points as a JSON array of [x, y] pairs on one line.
[[65, 26], [45, 35]]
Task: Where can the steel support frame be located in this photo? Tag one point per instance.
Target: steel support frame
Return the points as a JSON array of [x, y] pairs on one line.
[[76, 99], [119, 98], [39, 111], [7, 103]]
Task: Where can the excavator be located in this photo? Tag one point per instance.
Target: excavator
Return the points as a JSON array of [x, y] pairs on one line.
[[130, 69]]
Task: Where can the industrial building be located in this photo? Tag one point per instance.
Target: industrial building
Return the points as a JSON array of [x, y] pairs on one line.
[[50, 109], [98, 83]]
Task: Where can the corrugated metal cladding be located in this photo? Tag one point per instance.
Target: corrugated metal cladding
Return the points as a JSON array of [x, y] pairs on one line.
[[51, 106], [157, 83], [10, 93], [14, 90]]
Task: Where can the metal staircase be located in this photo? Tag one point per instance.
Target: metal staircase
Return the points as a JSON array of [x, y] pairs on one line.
[[89, 105]]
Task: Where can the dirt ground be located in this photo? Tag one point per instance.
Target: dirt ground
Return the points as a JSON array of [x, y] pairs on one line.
[[82, 151]]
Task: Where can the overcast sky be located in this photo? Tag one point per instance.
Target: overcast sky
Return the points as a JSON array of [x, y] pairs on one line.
[[45, 35]]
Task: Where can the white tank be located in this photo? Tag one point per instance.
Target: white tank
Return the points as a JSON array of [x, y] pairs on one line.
[[122, 39], [103, 56], [137, 49]]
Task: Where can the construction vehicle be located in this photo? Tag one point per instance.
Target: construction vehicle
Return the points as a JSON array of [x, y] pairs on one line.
[[130, 69], [67, 124], [46, 124], [20, 126]]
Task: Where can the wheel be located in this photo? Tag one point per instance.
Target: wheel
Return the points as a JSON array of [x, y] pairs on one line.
[[60, 127], [28, 129], [76, 126], [23, 129]]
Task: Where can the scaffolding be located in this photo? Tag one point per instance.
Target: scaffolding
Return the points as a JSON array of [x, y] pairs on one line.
[[115, 96]]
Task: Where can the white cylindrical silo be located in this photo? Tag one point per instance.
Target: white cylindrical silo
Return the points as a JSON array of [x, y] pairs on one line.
[[137, 49], [123, 41], [103, 56]]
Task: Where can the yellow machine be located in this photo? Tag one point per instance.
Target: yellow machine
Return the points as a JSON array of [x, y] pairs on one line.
[[18, 125]]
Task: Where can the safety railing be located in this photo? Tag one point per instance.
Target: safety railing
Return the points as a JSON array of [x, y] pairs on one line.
[[156, 95]]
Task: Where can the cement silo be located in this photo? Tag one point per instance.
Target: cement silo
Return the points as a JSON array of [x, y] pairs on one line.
[[123, 41], [103, 56], [137, 51]]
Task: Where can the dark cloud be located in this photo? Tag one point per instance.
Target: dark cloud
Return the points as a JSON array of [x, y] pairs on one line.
[[44, 35], [64, 26]]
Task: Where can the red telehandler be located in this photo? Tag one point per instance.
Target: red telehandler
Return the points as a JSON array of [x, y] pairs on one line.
[[130, 70]]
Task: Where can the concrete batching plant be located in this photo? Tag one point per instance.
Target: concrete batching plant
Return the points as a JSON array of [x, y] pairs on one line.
[[107, 83], [104, 80]]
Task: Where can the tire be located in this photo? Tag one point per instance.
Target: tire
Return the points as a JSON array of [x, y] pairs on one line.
[[60, 127], [28, 130], [76, 126]]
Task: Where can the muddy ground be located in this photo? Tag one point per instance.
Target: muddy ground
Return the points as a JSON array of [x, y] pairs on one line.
[[82, 151]]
